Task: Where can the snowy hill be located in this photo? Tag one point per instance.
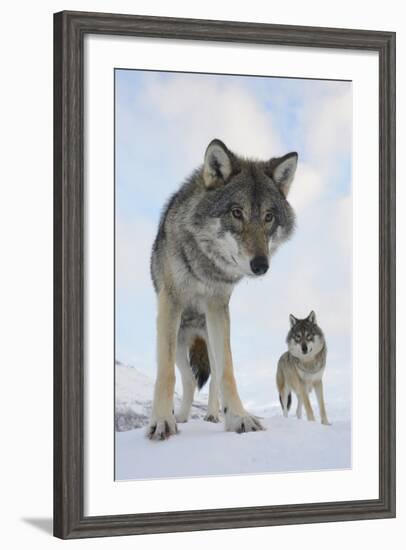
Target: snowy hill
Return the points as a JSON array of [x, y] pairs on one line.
[[134, 392], [202, 448]]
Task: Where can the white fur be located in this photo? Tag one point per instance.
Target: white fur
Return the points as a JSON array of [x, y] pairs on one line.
[[275, 241], [215, 154], [227, 246], [284, 173], [231, 248]]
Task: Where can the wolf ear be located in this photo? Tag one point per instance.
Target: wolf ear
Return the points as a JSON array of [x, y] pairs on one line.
[[218, 164], [283, 171], [312, 317], [292, 320]]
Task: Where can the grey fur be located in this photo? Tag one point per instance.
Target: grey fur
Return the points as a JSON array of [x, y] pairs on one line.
[[187, 236], [301, 368], [225, 222]]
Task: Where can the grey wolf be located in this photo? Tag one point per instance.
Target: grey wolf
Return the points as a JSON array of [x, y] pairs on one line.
[[224, 223], [301, 368]]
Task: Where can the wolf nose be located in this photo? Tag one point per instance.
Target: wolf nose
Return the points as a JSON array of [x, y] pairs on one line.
[[304, 348], [259, 265]]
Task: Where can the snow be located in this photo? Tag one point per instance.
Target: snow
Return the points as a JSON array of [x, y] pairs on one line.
[[202, 448], [134, 392]]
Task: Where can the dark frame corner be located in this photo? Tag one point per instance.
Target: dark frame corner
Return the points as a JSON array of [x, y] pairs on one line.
[[69, 31]]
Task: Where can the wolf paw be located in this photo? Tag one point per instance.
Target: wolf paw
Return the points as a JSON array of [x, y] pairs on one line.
[[163, 428], [211, 418], [181, 417], [242, 423]]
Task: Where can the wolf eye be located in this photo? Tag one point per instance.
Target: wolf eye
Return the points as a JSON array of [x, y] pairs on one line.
[[297, 337], [237, 213], [309, 337], [269, 217]]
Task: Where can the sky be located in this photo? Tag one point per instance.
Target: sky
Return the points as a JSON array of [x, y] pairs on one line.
[[164, 122]]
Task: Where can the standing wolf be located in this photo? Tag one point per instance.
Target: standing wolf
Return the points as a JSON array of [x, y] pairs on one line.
[[224, 223], [302, 367]]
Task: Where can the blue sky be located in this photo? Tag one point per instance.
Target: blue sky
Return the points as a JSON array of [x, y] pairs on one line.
[[164, 122]]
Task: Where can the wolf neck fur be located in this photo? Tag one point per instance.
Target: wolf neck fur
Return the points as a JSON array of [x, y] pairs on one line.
[[212, 266], [313, 365]]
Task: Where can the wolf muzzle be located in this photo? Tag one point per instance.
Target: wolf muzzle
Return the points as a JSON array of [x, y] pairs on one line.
[[259, 265]]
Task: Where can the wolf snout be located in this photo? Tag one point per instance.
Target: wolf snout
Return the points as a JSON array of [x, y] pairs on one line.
[[304, 348], [259, 265]]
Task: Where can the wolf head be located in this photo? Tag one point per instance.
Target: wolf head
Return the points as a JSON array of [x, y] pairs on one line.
[[245, 204], [305, 338]]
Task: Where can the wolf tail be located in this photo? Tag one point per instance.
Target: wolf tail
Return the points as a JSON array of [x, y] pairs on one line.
[[289, 401], [199, 361]]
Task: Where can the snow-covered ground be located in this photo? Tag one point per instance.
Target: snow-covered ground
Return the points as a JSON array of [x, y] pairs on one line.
[[202, 448]]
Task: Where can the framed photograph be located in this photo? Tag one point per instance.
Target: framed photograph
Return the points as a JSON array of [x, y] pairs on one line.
[[224, 269]]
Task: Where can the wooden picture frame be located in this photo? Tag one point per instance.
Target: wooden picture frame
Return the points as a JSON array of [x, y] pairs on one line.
[[69, 31]]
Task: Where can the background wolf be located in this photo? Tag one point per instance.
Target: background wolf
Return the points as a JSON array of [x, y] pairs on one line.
[[224, 223], [302, 367]]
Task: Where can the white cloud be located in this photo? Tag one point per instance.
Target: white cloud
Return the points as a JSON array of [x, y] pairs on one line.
[[306, 188], [133, 251], [326, 124], [194, 110], [342, 225]]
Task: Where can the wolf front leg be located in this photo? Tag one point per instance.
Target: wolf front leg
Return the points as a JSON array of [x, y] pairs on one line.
[[304, 397], [318, 388], [213, 404], [218, 326], [299, 407], [162, 423]]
